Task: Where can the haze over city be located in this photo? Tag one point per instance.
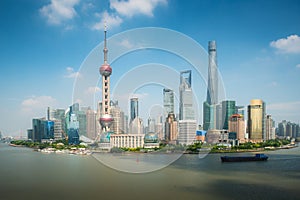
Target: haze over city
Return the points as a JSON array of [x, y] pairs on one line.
[[44, 44]]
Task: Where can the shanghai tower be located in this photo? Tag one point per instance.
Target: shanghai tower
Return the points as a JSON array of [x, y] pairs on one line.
[[209, 106], [212, 89]]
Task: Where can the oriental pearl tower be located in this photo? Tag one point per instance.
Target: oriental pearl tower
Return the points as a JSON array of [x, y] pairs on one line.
[[106, 118]]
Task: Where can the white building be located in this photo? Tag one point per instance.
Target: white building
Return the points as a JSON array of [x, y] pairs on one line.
[[187, 132], [57, 129], [127, 140]]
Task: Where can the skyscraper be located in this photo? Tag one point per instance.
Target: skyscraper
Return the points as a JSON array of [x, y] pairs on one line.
[[117, 126], [212, 89], [106, 118], [256, 120], [209, 106], [270, 128], [42, 130], [282, 128], [81, 117], [187, 132], [134, 108], [171, 128], [209, 116], [236, 126], [168, 101], [228, 109], [73, 129], [136, 124], [240, 110], [59, 119], [151, 125], [186, 111], [91, 124]]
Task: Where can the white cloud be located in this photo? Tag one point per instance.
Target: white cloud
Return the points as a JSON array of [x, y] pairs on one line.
[[71, 73], [87, 7], [298, 66], [133, 7], [59, 10], [37, 104], [93, 90], [110, 19], [291, 44], [125, 43]]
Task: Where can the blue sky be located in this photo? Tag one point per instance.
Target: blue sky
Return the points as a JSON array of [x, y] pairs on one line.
[[44, 43]]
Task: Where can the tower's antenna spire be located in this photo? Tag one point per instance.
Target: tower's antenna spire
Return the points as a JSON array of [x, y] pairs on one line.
[[105, 50]]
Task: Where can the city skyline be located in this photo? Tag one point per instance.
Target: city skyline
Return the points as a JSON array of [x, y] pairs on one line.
[[258, 51]]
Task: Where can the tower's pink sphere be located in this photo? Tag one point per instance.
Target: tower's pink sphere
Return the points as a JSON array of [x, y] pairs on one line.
[[105, 70], [106, 120]]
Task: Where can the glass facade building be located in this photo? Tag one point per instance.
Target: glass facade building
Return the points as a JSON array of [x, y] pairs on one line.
[[134, 108], [42, 129], [48, 132], [73, 130], [256, 120], [212, 88], [228, 109], [210, 106], [168, 96], [186, 111]]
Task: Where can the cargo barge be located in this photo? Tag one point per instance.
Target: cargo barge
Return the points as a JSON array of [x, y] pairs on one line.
[[257, 157]]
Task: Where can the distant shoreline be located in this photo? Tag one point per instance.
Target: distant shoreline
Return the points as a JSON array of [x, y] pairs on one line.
[[184, 152]]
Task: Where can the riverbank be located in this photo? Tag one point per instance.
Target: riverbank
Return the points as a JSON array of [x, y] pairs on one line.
[[197, 148]]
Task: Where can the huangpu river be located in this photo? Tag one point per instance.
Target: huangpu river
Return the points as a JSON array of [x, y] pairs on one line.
[[27, 174]]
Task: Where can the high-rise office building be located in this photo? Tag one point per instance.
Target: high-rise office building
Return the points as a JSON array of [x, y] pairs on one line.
[[228, 109], [117, 127], [187, 132], [171, 128], [126, 124], [106, 118], [73, 130], [168, 96], [57, 115], [212, 88], [159, 129], [42, 130], [186, 111], [58, 131], [134, 108], [288, 129], [240, 110], [282, 128], [236, 126], [136, 124], [217, 119], [81, 117], [91, 124], [209, 115], [38, 129], [256, 120], [209, 106], [270, 128], [151, 125], [75, 108]]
